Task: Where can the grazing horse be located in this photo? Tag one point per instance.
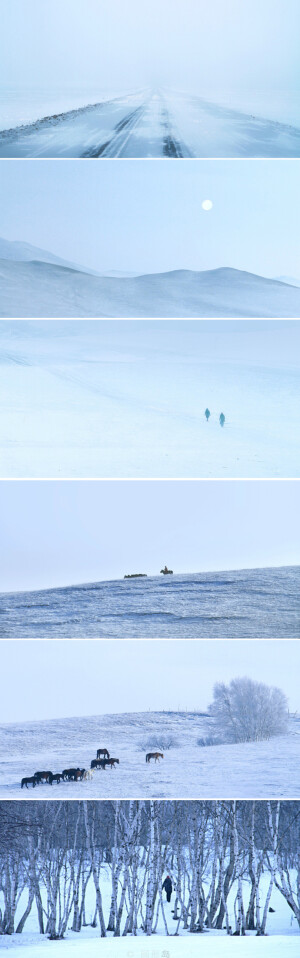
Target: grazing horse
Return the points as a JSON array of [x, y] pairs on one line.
[[79, 774], [102, 751], [98, 762], [57, 777], [43, 777], [29, 781], [70, 774], [155, 755], [112, 762], [88, 775]]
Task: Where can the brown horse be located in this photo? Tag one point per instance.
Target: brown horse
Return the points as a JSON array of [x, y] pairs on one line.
[[102, 751], [155, 755], [43, 777], [112, 762]]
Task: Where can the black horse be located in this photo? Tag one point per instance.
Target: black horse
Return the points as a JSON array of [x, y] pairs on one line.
[[73, 774], [99, 762], [69, 774], [29, 781], [102, 751]]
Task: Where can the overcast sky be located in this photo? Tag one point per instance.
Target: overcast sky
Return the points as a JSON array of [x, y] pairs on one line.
[[67, 532], [147, 216], [190, 670], [124, 44]]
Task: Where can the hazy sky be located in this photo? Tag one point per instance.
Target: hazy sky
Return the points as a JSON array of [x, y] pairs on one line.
[[124, 44], [67, 532], [190, 670], [147, 216]]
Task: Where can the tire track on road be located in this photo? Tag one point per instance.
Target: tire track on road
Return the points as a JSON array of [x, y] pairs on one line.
[[122, 133]]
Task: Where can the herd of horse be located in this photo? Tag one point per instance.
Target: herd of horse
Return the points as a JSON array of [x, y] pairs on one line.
[[102, 759], [71, 774]]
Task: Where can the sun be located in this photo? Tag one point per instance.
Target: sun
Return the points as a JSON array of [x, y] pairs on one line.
[[207, 205]]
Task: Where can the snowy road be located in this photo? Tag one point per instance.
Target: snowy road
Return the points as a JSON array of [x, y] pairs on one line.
[[136, 126], [158, 124]]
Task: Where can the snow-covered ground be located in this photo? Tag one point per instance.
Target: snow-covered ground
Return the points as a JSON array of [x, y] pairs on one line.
[[25, 105], [101, 399], [40, 289], [261, 770], [149, 124], [211, 945], [282, 937], [280, 106]]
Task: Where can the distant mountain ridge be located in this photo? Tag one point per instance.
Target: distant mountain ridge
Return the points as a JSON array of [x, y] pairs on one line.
[[290, 280], [21, 252]]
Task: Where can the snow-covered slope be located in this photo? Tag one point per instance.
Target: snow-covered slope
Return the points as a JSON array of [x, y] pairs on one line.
[[291, 280], [240, 604], [269, 769], [19, 252], [45, 289]]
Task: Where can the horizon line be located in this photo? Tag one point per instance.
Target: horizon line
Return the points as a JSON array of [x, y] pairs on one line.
[[153, 575]]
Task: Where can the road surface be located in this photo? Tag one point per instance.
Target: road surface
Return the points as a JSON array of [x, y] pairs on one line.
[[151, 125]]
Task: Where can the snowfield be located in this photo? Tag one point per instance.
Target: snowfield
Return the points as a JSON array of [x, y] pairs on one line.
[[150, 124], [261, 770], [211, 945], [99, 399]]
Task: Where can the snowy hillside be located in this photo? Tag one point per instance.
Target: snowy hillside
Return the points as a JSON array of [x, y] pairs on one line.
[[20, 252], [242, 604], [44, 289], [268, 769]]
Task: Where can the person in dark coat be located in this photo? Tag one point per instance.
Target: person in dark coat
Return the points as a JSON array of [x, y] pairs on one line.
[[167, 885]]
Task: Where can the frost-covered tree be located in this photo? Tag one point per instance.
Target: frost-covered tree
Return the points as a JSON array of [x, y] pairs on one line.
[[207, 414], [248, 711]]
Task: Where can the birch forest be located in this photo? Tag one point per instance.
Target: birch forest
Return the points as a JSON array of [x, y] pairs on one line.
[[66, 865]]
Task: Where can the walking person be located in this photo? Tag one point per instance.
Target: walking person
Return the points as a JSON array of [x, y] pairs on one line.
[[168, 887]]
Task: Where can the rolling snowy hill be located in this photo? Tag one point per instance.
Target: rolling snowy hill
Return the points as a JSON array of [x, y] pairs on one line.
[[34, 283]]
